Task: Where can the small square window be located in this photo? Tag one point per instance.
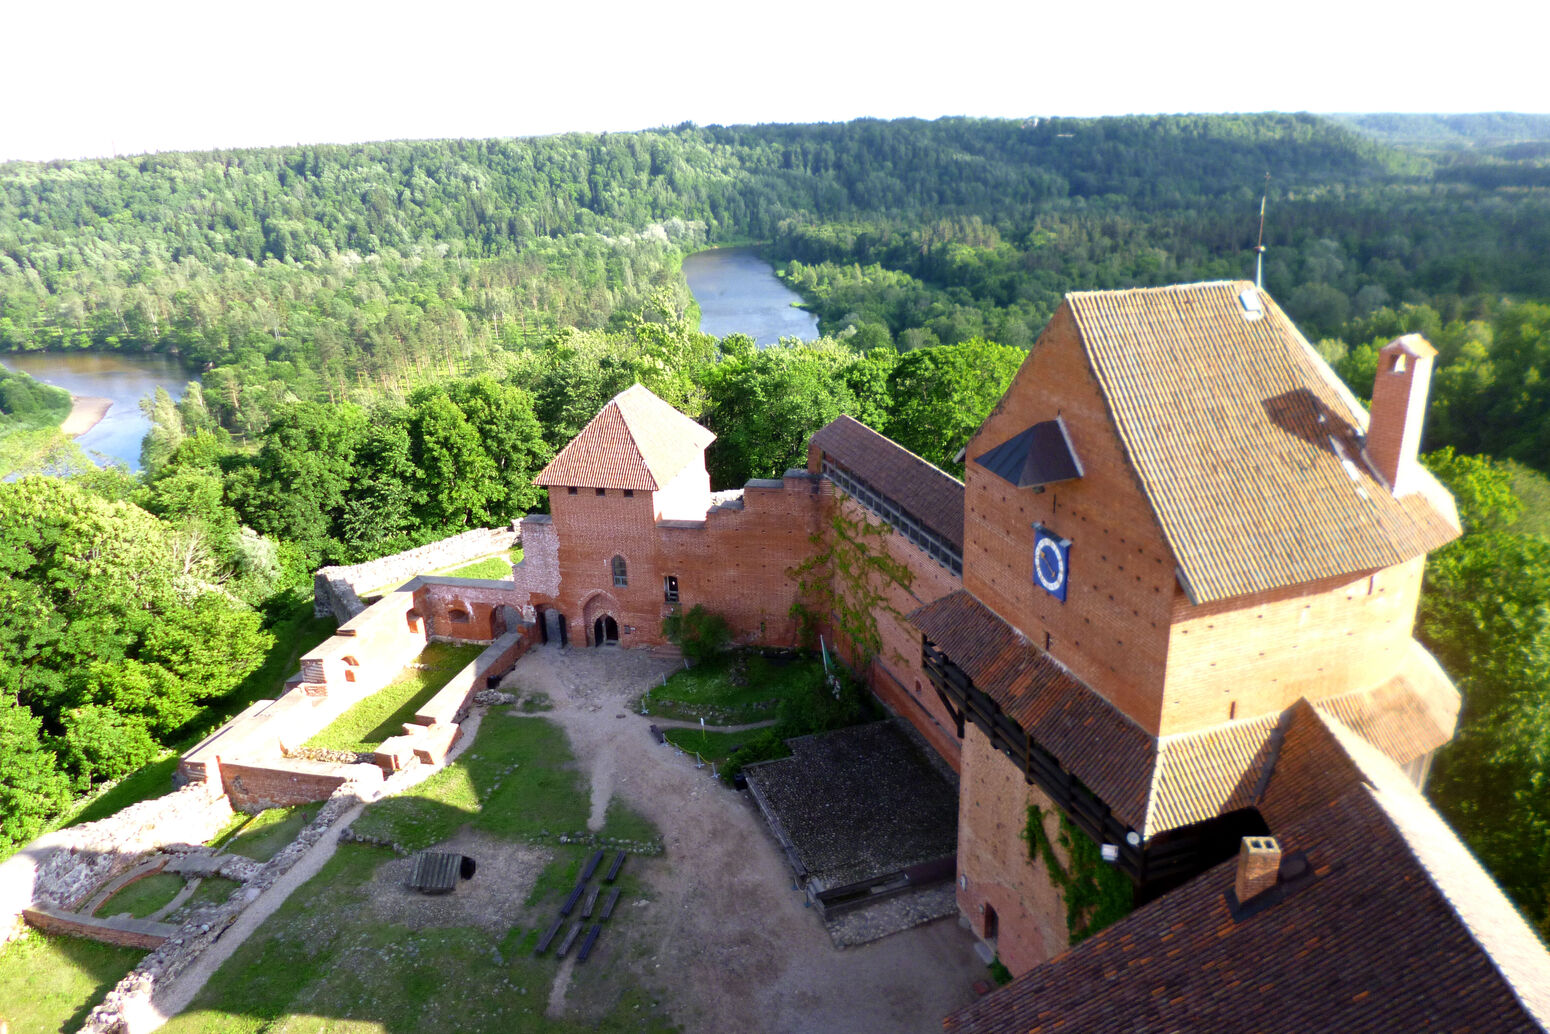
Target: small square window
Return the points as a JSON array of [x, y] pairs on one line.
[[629, 493], [570, 490], [600, 491]]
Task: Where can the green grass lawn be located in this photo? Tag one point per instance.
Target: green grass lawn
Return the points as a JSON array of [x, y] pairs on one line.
[[142, 897], [712, 746], [383, 714], [49, 984], [326, 961], [514, 760], [498, 566], [735, 689], [262, 836]]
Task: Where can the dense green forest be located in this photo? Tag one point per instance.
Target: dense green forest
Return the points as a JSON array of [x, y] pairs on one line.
[[392, 338]]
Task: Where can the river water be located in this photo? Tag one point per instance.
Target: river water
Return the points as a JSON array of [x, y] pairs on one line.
[[126, 378], [739, 293]]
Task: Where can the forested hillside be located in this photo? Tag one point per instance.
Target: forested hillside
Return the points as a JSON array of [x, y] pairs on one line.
[[393, 338]]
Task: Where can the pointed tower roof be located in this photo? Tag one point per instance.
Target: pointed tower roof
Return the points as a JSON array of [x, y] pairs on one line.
[[637, 442]]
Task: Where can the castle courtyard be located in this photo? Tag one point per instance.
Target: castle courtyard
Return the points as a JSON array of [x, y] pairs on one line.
[[727, 941], [711, 934]]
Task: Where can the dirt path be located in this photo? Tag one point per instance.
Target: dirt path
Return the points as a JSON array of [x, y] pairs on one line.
[[728, 942]]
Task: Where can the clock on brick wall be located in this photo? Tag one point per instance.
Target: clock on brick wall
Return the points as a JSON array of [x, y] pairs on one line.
[[1051, 561]]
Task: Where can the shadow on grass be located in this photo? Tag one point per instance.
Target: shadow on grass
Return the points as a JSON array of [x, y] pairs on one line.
[[51, 983], [327, 959]]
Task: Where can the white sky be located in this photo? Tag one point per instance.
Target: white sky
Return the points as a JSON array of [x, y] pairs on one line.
[[95, 77]]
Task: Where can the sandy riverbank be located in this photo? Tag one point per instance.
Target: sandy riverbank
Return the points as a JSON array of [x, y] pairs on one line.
[[85, 412]]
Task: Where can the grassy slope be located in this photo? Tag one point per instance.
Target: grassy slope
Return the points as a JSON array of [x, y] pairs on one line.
[[364, 726], [261, 837], [49, 984], [325, 961]]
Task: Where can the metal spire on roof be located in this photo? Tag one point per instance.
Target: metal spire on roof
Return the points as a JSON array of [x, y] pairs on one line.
[[1259, 245]]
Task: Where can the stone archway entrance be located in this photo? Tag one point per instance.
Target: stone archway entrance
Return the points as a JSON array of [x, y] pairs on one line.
[[599, 618], [605, 631]]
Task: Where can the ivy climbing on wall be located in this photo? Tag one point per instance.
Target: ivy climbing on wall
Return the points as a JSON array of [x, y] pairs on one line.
[[846, 580], [1096, 894]]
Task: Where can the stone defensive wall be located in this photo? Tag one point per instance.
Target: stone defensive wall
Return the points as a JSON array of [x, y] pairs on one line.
[[336, 590]]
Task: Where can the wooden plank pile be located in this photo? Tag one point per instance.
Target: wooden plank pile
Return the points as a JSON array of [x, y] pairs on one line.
[[580, 890]]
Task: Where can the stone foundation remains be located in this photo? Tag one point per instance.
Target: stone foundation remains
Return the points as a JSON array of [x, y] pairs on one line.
[[59, 871]]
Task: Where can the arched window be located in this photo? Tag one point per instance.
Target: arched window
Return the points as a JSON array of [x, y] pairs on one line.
[[621, 576]]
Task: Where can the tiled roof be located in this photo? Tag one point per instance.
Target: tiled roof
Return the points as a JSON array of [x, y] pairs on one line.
[[1246, 443], [1202, 775], [637, 442], [1155, 785], [1106, 750], [1040, 455], [1399, 930], [933, 496], [1413, 713]]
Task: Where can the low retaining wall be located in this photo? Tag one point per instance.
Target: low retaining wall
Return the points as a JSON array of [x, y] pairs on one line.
[[334, 587], [255, 785], [452, 700], [127, 933]]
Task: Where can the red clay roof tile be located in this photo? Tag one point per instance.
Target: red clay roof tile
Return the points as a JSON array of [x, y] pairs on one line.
[[638, 442], [1246, 443]]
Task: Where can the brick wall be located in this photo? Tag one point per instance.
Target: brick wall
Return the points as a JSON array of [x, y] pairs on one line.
[[593, 528], [994, 863], [1258, 654], [896, 674], [1112, 630], [278, 783], [370, 649], [734, 559], [739, 563], [454, 609], [125, 933]]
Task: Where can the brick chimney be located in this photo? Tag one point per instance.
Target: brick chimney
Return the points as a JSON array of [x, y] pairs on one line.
[[1259, 863], [1398, 408]]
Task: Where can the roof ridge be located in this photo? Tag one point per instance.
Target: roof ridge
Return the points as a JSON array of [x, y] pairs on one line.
[[1392, 792], [890, 441]]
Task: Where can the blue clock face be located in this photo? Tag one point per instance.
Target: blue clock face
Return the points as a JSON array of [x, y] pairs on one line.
[[1051, 562]]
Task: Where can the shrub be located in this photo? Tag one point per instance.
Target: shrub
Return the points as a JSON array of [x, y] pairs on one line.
[[701, 634]]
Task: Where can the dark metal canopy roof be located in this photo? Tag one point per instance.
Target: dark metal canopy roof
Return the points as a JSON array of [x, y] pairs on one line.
[[1041, 455]]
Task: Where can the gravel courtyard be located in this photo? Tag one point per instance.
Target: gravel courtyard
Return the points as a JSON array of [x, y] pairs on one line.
[[728, 942]]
